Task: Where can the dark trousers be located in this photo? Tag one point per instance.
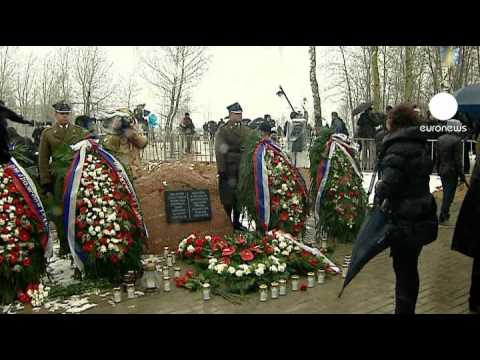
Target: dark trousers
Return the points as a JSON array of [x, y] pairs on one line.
[[405, 264], [449, 184], [229, 198], [475, 286]]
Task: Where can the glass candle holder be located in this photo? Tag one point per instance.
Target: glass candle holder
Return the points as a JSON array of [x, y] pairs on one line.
[[321, 276], [295, 279], [166, 271], [165, 252], [206, 291], [173, 257], [166, 284], [176, 272], [150, 276], [311, 279], [282, 287], [263, 293], [117, 295], [169, 260], [131, 291], [274, 290]]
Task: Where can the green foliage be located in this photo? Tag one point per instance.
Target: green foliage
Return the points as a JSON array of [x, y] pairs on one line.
[[78, 288], [317, 153]]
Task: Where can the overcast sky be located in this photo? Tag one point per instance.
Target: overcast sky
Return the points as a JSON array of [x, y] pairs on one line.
[[249, 75]]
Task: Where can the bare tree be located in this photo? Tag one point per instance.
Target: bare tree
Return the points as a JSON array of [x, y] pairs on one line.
[[48, 87], [174, 70], [317, 105], [91, 74], [24, 86], [62, 73], [129, 91], [7, 69], [375, 79]]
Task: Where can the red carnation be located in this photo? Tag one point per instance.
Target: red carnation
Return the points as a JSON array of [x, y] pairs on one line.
[[268, 249], [79, 234], [246, 255], [81, 225], [288, 195], [283, 216], [24, 235], [228, 251], [6, 207], [83, 210], [12, 188], [114, 258], [88, 246], [26, 262], [189, 273], [117, 195]]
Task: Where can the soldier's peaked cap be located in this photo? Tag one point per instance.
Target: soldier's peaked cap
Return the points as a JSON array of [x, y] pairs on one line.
[[235, 108], [62, 107]]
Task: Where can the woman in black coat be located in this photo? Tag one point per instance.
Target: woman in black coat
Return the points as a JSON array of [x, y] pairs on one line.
[[466, 238], [406, 166]]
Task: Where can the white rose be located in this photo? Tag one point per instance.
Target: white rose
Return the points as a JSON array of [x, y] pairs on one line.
[[190, 249], [273, 268], [103, 249], [231, 270], [101, 214], [239, 273]]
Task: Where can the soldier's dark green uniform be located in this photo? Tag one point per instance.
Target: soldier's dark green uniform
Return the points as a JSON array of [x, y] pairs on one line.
[[228, 152], [51, 140]]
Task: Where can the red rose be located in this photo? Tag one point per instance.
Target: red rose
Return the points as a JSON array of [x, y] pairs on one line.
[[228, 251], [29, 212], [246, 255], [198, 250], [189, 273], [12, 188], [83, 210], [199, 242], [24, 235], [114, 258], [216, 238], [88, 246], [283, 216], [303, 287], [12, 258], [268, 249], [23, 298], [26, 262], [81, 225]]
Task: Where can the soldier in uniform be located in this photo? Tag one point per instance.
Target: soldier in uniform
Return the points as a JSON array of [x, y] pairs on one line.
[[228, 151], [62, 133]]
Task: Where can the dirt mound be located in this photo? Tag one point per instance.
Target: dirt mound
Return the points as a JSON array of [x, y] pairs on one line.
[[157, 177]]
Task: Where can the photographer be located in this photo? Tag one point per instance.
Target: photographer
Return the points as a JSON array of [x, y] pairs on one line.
[[125, 143]]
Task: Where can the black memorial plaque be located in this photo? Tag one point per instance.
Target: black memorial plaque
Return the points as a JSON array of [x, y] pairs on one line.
[[188, 206]]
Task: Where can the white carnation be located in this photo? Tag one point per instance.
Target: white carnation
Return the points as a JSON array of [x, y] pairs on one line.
[[190, 249], [239, 273], [231, 270]]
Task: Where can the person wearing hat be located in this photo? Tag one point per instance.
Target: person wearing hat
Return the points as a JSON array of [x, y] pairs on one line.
[[266, 130], [125, 143], [62, 133], [449, 165], [228, 152]]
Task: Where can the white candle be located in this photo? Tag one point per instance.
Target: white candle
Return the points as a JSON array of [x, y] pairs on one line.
[[295, 282], [263, 293], [274, 289], [117, 295], [165, 251], [311, 279], [166, 283], [321, 276], [283, 287], [177, 272], [206, 291], [131, 291]]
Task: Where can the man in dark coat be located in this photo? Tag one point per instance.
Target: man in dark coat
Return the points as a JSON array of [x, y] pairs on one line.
[[449, 166], [338, 125], [406, 167], [466, 239], [228, 152], [366, 130]]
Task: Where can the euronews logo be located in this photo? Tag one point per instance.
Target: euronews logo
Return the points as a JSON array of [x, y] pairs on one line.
[[444, 106]]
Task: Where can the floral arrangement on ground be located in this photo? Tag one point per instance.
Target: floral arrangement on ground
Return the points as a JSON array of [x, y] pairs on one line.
[[344, 202], [108, 226], [241, 262], [287, 193], [23, 238]]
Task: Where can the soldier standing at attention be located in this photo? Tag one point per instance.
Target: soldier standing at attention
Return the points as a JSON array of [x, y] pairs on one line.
[[52, 139], [228, 152]]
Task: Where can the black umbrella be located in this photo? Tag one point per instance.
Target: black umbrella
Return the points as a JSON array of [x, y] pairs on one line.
[[362, 107], [468, 99], [371, 241]]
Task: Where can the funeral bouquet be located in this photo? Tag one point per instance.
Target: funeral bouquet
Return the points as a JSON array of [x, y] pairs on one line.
[[271, 189], [102, 215], [243, 261], [337, 192], [24, 232]]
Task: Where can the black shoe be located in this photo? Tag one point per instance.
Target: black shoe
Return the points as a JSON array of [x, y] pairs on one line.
[[475, 308]]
